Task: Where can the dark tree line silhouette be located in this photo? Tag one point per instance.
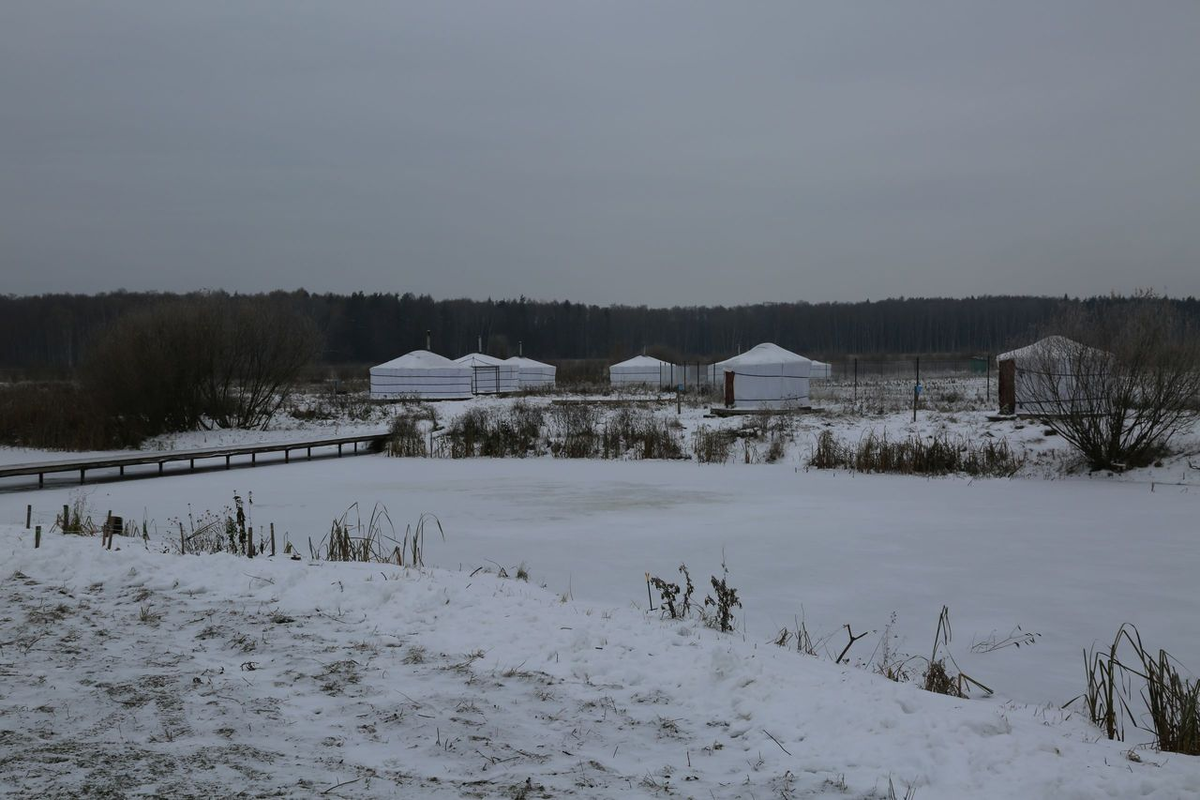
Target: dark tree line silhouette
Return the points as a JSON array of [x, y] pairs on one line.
[[53, 331]]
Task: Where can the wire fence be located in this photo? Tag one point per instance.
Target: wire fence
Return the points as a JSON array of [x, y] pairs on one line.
[[881, 384], [892, 384]]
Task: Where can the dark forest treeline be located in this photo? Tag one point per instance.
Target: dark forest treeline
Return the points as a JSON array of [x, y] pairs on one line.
[[53, 331]]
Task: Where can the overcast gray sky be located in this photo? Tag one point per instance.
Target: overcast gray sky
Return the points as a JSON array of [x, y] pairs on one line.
[[643, 152]]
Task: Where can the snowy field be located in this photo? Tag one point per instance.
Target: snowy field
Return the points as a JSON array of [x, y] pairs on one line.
[[454, 681]]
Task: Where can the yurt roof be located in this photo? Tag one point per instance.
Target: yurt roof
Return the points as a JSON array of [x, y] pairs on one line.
[[419, 359], [642, 361], [765, 353], [1051, 345], [479, 358], [522, 361]]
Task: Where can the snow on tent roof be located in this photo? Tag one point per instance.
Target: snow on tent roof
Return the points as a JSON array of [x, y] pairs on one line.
[[1051, 345], [642, 361], [480, 359], [521, 361], [765, 353], [418, 359]]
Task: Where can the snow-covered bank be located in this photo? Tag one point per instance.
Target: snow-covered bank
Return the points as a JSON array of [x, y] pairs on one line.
[[137, 672]]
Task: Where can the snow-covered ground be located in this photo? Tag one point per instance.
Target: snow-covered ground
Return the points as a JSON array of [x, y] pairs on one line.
[[1061, 553], [131, 672], [1070, 559]]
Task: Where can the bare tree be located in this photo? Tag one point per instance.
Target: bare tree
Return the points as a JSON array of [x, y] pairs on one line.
[[210, 361], [1118, 382]]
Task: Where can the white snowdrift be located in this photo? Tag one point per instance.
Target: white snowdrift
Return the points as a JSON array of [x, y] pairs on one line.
[[136, 672]]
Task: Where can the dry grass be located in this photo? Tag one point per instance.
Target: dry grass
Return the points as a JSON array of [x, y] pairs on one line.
[[1171, 701], [711, 446], [352, 539], [937, 455], [407, 439]]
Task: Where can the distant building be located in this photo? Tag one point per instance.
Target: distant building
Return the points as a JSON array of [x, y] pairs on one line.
[[640, 371], [1051, 376], [421, 374], [533, 374], [765, 376], [491, 375]]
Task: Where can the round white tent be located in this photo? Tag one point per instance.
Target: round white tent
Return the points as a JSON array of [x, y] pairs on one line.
[[765, 376], [640, 371], [1054, 375], [490, 375], [820, 369], [533, 374], [420, 374]]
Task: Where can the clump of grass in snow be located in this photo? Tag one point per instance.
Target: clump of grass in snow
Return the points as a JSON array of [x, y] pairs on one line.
[[711, 446], [76, 518], [407, 439], [1172, 701], [936, 678], [43, 615], [937, 455], [515, 432], [352, 540]]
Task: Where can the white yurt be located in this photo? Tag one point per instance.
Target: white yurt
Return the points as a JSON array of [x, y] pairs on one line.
[[420, 374], [1053, 375], [640, 371], [765, 376], [821, 370], [533, 374], [490, 375]]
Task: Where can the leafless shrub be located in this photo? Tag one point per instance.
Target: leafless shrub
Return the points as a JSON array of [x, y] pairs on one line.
[[199, 362], [1119, 383], [725, 601], [667, 594], [59, 416]]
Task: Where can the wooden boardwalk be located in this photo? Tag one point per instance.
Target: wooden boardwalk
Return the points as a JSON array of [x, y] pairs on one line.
[[362, 443]]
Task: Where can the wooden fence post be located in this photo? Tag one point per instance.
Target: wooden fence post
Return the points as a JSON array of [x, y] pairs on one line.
[[28, 515], [272, 538], [182, 541], [37, 537]]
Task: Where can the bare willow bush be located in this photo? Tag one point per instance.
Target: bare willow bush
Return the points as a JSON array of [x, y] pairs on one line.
[[58, 416], [202, 362], [1118, 382]]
